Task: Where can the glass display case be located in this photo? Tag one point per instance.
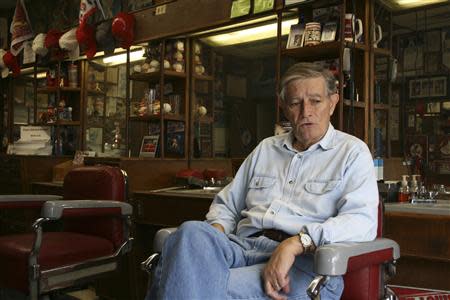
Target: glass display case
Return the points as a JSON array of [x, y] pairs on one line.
[[105, 106]]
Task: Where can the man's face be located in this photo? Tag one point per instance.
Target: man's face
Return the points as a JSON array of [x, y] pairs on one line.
[[308, 107]]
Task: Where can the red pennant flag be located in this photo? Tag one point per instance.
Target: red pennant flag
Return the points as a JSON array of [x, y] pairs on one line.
[[20, 28]]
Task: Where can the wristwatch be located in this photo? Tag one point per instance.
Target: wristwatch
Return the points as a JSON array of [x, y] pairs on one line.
[[306, 241]]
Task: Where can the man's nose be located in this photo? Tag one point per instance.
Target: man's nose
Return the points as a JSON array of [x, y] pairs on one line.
[[306, 108]]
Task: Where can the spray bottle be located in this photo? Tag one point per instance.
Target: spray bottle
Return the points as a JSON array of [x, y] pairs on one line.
[[403, 195]]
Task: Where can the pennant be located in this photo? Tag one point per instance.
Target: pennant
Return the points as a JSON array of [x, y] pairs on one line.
[[20, 28]]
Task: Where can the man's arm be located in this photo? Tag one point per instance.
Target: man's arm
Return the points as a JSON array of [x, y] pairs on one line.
[[218, 227]]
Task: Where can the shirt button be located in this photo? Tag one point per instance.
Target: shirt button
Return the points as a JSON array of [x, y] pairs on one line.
[[272, 212], [291, 181]]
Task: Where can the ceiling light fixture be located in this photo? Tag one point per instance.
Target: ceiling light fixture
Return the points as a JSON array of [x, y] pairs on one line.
[[249, 35], [122, 58], [404, 4]]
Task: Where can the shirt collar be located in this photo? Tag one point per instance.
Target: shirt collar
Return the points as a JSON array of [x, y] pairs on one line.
[[326, 143]]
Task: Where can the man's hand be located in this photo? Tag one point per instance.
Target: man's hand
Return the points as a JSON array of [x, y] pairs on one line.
[[276, 272], [218, 227]]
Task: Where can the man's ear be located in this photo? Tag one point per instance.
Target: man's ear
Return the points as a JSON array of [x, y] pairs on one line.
[[334, 99]]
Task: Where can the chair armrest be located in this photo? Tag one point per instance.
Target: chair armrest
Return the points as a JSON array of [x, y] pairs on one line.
[[54, 210], [25, 201], [336, 259], [160, 238]]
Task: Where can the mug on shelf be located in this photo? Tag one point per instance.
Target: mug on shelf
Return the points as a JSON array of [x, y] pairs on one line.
[[312, 34], [350, 31], [377, 34]]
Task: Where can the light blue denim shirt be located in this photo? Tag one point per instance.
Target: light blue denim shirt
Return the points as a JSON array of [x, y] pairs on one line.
[[329, 190]]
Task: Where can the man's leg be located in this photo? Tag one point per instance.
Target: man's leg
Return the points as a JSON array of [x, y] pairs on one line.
[[195, 263]]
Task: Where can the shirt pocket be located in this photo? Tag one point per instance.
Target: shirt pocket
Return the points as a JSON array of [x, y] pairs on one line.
[[319, 187], [260, 190], [260, 182]]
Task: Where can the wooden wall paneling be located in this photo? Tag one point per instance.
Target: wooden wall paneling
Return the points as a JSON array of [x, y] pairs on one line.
[[201, 164], [38, 168], [148, 174], [185, 16], [424, 242]]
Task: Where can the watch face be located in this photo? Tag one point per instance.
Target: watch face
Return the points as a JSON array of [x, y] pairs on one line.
[[306, 240]]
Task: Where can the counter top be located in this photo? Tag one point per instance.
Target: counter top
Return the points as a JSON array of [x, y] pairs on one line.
[[180, 192], [441, 207]]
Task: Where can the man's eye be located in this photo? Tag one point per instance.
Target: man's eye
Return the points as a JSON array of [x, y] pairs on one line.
[[294, 104]]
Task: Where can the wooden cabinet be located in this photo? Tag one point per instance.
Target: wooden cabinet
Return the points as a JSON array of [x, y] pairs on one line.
[[349, 60], [58, 104], [104, 109], [202, 102], [159, 100], [384, 116]]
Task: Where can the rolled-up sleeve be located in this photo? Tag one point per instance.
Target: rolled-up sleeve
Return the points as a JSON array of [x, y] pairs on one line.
[[230, 201]]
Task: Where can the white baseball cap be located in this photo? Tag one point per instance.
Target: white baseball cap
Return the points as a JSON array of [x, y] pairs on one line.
[[38, 45], [68, 41]]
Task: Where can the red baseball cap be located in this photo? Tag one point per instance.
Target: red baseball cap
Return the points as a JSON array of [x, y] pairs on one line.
[[123, 29]]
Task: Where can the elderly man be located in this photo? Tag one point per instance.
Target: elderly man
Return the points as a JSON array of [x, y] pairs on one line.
[[312, 186]]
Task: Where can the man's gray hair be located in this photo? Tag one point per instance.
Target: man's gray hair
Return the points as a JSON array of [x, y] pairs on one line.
[[305, 71]]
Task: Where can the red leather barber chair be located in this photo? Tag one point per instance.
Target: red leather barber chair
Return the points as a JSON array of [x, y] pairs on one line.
[[365, 266], [95, 233]]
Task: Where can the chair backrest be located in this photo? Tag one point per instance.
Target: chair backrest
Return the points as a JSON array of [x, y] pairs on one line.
[[99, 182], [365, 283]]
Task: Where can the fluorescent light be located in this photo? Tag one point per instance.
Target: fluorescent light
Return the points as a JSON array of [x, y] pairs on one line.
[[251, 34], [402, 4], [122, 58]]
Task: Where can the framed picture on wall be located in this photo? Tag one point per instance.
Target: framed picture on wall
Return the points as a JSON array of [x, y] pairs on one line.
[[428, 87]]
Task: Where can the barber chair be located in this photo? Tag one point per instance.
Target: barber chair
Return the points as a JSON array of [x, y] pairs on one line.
[[95, 223], [365, 266]]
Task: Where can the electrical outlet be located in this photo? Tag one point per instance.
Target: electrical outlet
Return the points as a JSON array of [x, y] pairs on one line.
[[160, 10]]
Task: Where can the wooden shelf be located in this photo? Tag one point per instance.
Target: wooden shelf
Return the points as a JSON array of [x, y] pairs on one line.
[[358, 104], [157, 117], [49, 90], [321, 51], [381, 106], [173, 117], [382, 52], [203, 77], [67, 123], [70, 89], [96, 92], [312, 53], [60, 123], [155, 76], [146, 118]]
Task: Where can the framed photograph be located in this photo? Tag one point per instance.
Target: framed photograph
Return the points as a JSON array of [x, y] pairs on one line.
[[329, 32], [149, 146], [296, 36], [428, 87]]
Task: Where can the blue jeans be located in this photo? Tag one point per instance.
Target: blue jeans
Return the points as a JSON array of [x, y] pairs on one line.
[[198, 262]]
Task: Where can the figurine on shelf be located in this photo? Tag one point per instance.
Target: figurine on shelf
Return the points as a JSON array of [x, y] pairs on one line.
[[60, 109], [51, 78]]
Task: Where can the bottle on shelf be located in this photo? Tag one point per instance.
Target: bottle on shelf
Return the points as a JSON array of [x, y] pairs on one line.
[[414, 191], [404, 192]]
